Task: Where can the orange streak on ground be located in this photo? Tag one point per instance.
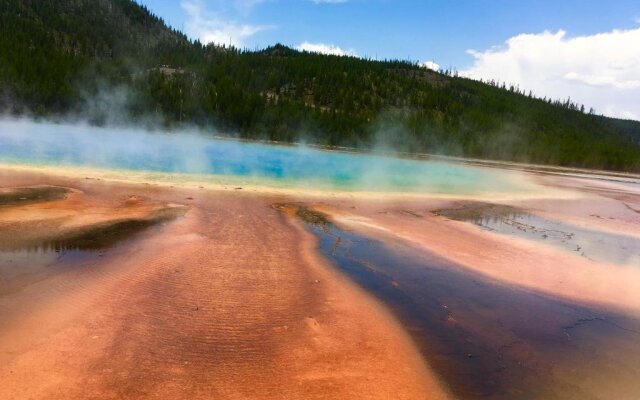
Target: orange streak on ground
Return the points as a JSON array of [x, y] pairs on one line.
[[231, 301]]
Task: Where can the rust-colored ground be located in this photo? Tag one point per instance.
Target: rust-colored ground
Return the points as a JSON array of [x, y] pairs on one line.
[[221, 295], [228, 302]]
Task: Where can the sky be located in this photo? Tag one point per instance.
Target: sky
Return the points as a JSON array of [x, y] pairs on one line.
[[583, 49]]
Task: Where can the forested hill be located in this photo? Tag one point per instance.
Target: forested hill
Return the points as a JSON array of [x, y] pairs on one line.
[[112, 60]]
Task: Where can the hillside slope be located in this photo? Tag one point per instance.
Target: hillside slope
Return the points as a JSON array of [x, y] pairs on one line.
[[58, 56]]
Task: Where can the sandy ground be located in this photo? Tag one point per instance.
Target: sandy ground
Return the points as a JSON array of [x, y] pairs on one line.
[[230, 301]]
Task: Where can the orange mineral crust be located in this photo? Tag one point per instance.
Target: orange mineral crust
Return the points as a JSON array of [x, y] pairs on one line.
[[197, 295]]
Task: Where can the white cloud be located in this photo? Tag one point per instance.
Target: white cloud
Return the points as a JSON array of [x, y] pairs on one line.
[[213, 27], [325, 49], [430, 65], [600, 70]]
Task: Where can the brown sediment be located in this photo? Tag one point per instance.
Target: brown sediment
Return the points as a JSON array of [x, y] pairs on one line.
[[311, 216], [34, 194], [231, 301], [475, 211]]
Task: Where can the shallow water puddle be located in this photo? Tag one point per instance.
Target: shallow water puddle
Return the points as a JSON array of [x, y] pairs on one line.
[[24, 262], [591, 244], [488, 340], [19, 268]]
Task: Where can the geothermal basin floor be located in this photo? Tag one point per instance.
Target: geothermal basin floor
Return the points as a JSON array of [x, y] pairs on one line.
[[202, 294]]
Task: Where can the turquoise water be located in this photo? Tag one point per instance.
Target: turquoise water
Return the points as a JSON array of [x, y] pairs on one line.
[[192, 153]]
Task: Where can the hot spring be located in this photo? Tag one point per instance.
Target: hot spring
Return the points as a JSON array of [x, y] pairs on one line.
[[236, 162]]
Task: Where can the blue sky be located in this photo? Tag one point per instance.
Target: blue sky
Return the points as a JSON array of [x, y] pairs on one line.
[[420, 30], [442, 32]]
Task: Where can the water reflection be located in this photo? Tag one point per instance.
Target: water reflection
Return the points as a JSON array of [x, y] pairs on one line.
[[22, 263]]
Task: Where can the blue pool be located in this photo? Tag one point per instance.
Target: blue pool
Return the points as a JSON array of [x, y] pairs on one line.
[[27, 142]]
